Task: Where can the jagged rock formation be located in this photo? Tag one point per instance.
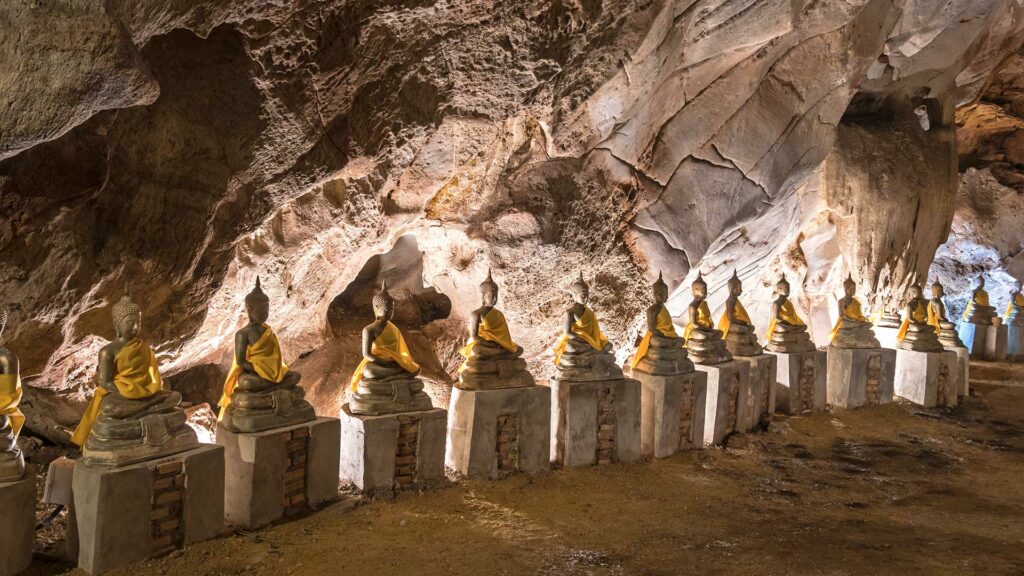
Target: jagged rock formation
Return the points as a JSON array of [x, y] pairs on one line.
[[326, 143]]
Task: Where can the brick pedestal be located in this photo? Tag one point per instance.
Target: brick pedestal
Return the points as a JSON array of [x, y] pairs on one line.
[[595, 422], [279, 472], [974, 337], [728, 389], [760, 403], [800, 382], [382, 454], [860, 377], [926, 378], [17, 523], [671, 412], [495, 433], [131, 513]]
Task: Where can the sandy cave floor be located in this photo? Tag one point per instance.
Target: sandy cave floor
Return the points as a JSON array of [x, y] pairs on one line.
[[884, 490]]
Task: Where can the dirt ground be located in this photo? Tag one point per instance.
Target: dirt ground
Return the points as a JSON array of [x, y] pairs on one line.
[[886, 490]]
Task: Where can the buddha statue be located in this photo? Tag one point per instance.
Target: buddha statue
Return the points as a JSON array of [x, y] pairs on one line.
[[132, 417], [703, 342], [583, 353], [385, 381], [978, 310], [661, 352], [889, 318], [916, 333], [1014, 315], [12, 461], [740, 338], [938, 319], [786, 333], [260, 392], [852, 329], [493, 360]]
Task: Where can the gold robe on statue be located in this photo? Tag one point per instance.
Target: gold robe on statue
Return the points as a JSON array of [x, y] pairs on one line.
[[738, 311], [703, 319], [1018, 301], [920, 316], [493, 328], [934, 318], [586, 328], [980, 297], [663, 322], [137, 377], [265, 357], [787, 312], [10, 396], [852, 310], [390, 345]]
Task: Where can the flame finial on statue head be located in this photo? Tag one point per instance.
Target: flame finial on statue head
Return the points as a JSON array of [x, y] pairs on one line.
[[660, 282], [256, 296], [849, 282]]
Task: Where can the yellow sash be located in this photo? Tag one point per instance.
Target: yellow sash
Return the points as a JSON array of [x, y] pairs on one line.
[[787, 313], [1016, 301], [980, 297], [137, 377], [919, 316], [586, 328], [663, 323], [493, 328], [703, 319], [738, 311], [390, 345], [10, 396], [852, 310], [265, 357]]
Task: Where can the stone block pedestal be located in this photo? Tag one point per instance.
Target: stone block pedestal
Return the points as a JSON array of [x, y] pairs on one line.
[[727, 391], [860, 376], [495, 433], [382, 454], [800, 382], [131, 513], [963, 371], [671, 412], [17, 523], [926, 378], [1015, 343], [974, 337], [996, 342], [595, 422], [760, 402], [279, 472]]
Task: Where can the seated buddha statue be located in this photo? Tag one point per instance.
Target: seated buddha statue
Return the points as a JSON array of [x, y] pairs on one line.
[[703, 342], [493, 360], [978, 310], [260, 392], [915, 332], [938, 319], [786, 333], [852, 329], [661, 352], [385, 381], [12, 461], [131, 417], [583, 353], [1014, 315], [740, 337]]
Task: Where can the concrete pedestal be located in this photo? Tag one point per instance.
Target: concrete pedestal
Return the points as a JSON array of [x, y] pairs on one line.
[[760, 402], [963, 371], [17, 523], [671, 412], [996, 342], [595, 422], [279, 472], [131, 513], [926, 378], [860, 377], [887, 337], [494, 433], [974, 337], [382, 454], [727, 391], [1015, 343], [800, 382]]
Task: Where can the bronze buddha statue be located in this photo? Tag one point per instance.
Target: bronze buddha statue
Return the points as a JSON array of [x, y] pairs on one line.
[[787, 333], [740, 337], [493, 359], [662, 352], [916, 333], [939, 320], [703, 342], [12, 461], [852, 328], [583, 353]]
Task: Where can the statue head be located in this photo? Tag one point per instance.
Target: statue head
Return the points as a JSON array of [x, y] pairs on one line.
[[849, 286], [782, 287], [735, 285], [660, 290], [579, 290], [383, 303], [127, 317], [699, 288], [257, 304], [937, 290], [915, 292], [489, 290]]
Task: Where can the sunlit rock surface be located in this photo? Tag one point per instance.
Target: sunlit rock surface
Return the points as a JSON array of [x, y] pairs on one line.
[[326, 145]]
